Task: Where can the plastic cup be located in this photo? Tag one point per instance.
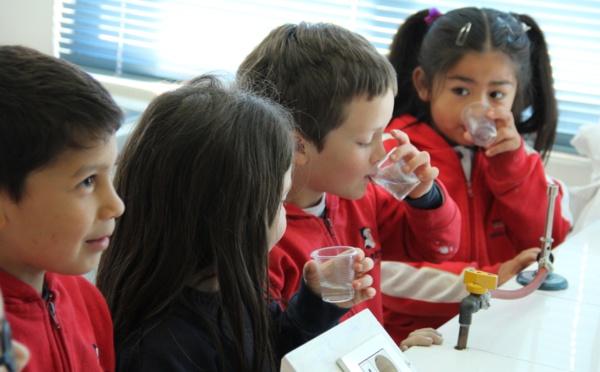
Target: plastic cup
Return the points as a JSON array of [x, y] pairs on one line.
[[335, 266], [391, 177], [482, 129]]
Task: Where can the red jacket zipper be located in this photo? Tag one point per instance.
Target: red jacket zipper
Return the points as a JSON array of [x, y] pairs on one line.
[[329, 227], [58, 334]]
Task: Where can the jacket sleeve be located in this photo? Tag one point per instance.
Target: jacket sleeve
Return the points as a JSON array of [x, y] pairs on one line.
[[519, 183], [284, 276], [427, 282], [411, 234], [306, 317]]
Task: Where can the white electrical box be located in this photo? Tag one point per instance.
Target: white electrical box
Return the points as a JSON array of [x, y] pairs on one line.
[[375, 355], [359, 344]]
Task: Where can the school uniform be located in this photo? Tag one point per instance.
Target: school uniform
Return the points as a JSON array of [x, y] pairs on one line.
[[68, 329], [383, 227], [182, 343], [502, 201]]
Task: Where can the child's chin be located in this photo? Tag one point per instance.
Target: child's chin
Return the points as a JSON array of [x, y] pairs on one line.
[[356, 194], [87, 267]]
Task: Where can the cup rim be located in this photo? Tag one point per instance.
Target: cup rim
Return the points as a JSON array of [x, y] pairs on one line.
[[377, 176], [340, 248], [470, 105], [386, 157]]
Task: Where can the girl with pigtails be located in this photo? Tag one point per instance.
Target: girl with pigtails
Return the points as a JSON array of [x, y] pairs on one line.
[[445, 62]]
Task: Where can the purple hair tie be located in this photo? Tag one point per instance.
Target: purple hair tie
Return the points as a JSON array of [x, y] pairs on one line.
[[433, 15]]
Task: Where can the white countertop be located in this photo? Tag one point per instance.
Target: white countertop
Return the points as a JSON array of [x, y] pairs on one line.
[[545, 331]]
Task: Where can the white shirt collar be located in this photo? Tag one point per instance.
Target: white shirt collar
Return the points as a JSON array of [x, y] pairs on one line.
[[318, 209]]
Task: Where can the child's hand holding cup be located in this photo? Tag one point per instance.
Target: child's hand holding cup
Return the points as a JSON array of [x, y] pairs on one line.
[[480, 127], [335, 266], [341, 277], [391, 177]]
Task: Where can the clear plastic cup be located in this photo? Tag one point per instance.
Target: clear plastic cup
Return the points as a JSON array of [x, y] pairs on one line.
[[482, 129], [335, 266], [391, 177]]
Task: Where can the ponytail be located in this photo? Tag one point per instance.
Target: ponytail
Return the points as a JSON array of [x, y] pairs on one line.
[[540, 93], [403, 54]]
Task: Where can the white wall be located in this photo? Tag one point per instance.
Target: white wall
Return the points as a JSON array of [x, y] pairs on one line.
[[573, 170], [27, 22]]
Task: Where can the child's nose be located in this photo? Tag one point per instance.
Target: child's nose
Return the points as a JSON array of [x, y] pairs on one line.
[[378, 153], [113, 205], [484, 99]]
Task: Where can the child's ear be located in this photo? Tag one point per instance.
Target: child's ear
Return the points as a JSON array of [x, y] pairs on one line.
[[300, 157], [420, 84]]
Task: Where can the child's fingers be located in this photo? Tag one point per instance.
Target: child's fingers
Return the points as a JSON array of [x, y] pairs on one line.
[[361, 295], [506, 144], [502, 117], [364, 294], [363, 265], [311, 276], [418, 340], [434, 334], [364, 281], [528, 256], [510, 134], [415, 160], [400, 136], [508, 138], [362, 291], [427, 173], [310, 269], [422, 337], [510, 268], [405, 152], [420, 164], [360, 255]]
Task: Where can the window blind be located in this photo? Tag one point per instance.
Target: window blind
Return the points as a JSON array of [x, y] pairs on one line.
[[178, 39]]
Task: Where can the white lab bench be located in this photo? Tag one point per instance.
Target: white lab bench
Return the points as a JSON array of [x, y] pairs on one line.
[[544, 331]]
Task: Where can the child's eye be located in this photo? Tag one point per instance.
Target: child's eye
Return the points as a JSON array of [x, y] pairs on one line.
[[88, 181], [460, 91], [497, 95], [365, 145]]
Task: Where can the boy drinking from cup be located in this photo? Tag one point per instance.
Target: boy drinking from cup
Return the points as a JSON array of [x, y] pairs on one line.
[[341, 91]]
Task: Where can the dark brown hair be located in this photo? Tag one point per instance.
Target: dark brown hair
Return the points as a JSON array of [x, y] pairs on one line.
[[202, 178], [316, 69], [46, 106], [434, 48]]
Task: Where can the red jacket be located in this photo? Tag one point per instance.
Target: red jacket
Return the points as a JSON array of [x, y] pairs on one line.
[[72, 331], [377, 223], [503, 211]]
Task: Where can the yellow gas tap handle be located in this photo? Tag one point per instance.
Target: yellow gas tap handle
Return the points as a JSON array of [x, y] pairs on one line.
[[479, 282]]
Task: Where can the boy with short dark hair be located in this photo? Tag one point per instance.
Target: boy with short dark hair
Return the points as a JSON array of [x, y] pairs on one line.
[[57, 208], [341, 90]]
